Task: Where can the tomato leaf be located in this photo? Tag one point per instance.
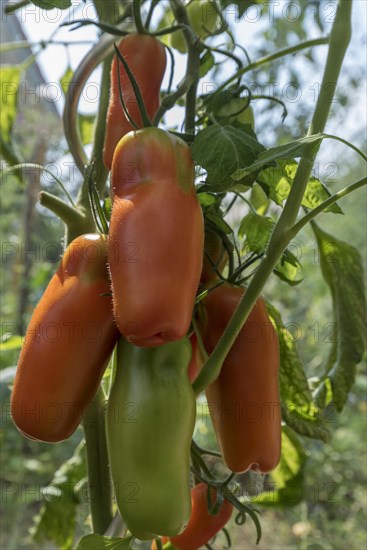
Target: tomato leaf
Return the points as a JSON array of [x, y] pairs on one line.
[[289, 150], [98, 542], [221, 150], [242, 5], [289, 269], [298, 409], [257, 230], [56, 520], [66, 79], [51, 4], [342, 268], [259, 199], [10, 77], [86, 128], [278, 181]]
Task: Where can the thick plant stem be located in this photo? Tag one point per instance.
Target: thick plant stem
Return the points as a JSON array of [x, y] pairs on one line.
[[97, 464], [281, 236]]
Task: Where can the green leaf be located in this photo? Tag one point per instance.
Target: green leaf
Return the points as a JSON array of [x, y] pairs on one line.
[[98, 542], [298, 409], [211, 206], [86, 128], [10, 77], [221, 150], [257, 230], [342, 268], [259, 199], [287, 479], [13, 343], [51, 4], [278, 179], [206, 63], [216, 218], [9, 350], [56, 520], [206, 199], [66, 79], [294, 149], [289, 269]]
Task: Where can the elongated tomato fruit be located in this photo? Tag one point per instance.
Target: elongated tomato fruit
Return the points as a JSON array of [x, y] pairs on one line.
[[244, 400], [150, 422], [156, 237], [146, 58], [67, 346]]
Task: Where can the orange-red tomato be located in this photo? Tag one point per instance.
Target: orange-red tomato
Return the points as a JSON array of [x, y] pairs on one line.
[[244, 400], [155, 238], [146, 58], [67, 346], [202, 525]]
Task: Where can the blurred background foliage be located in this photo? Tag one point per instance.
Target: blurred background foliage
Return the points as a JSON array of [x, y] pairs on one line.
[[330, 512]]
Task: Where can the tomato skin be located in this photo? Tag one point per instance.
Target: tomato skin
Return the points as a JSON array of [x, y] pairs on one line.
[[157, 216], [146, 57], [244, 400], [149, 451], [202, 526], [59, 372]]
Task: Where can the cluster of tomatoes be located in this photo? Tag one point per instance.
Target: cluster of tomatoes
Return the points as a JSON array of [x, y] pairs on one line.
[[152, 261]]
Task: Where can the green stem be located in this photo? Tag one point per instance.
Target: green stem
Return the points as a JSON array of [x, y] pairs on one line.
[[97, 154], [268, 59], [137, 17], [94, 419], [153, 5], [12, 157], [18, 5], [330, 201], [231, 55], [32, 165], [281, 236], [167, 30], [193, 64], [170, 100], [68, 214], [100, 172], [199, 339], [97, 464], [350, 145], [139, 98]]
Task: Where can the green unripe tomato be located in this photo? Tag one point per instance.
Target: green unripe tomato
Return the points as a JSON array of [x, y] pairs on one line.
[[234, 106], [203, 17], [150, 422]]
